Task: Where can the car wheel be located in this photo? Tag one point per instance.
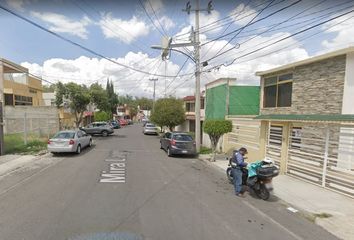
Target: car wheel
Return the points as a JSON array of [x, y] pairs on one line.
[[78, 150], [90, 143], [169, 152], [104, 133]]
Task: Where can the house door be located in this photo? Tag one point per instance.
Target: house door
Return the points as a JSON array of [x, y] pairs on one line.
[[274, 143]]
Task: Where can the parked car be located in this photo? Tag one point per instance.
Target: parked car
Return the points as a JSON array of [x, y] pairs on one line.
[[150, 129], [69, 141], [178, 143], [123, 122], [101, 128], [115, 124], [130, 122]]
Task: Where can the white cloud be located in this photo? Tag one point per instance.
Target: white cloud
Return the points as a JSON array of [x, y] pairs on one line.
[[62, 24], [207, 19], [85, 70], [166, 22], [344, 33], [17, 4], [243, 14], [127, 30]]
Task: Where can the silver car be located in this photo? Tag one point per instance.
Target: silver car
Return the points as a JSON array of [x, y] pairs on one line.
[[69, 141], [150, 129]]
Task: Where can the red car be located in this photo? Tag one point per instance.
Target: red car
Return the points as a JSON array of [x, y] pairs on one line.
[[123, 122]]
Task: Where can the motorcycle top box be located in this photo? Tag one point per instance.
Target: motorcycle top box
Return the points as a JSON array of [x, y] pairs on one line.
[[267, 171]]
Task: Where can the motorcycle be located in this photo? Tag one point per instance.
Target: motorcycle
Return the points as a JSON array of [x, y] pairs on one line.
[[257, 177]]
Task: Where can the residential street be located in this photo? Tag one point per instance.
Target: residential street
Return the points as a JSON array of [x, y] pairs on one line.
[[156, 197]]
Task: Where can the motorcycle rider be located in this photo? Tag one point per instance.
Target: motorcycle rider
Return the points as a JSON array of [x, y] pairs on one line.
[[237, 163]]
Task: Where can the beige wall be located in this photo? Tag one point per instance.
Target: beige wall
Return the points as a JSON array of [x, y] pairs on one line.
[[248, 133], [15, 88]]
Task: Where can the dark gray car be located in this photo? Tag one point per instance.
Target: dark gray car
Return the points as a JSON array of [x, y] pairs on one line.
[[101, 128], [178, 143]]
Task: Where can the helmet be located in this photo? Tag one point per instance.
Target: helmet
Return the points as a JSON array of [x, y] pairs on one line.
[[243, 149]]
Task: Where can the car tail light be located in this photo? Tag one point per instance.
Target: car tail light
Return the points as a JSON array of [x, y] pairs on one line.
[[71, 142], [49, 142], [173, 142]]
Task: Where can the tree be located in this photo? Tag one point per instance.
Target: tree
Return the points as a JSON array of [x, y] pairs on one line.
[[102, 116], [168, 112], [112, 97], [78, 98], [144, 103], [99, 97], [215, 129], [49, 88]]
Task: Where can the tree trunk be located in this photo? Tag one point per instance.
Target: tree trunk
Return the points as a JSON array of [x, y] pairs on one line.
[[214, 142]]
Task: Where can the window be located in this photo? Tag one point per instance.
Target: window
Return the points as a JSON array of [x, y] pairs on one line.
[[182, 137], [190, 107], [278, 91], [31, 90], [168, 135], [9, 99], [23, 100]]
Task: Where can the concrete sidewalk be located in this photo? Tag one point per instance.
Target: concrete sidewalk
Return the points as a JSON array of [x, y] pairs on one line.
[[9, 163], [331, 210]]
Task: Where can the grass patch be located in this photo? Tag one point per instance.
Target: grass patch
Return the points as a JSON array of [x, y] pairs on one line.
[[205, 150], [322, 215], [14, 144]]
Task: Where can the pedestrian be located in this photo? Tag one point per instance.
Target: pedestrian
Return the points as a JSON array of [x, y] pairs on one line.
[[238, 162]]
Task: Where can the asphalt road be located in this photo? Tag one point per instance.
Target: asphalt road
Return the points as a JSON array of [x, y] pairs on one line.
[[154, 197]]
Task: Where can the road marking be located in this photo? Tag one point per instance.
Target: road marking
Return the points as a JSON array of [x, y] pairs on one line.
[[272, 220], [116, 169]]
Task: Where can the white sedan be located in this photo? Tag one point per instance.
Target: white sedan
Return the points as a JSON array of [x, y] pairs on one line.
[[69, 141]]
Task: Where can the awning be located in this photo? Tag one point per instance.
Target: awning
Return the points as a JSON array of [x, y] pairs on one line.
[[328, 118]]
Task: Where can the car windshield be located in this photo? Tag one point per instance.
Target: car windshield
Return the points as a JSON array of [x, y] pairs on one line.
[[182, 137], [64, 135]]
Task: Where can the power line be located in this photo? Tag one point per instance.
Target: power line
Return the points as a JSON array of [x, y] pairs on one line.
[[315, 5], [259, 13], [261, 19], [77, 44], [282, 39], [158, 21], [106, 23], [151, 20]]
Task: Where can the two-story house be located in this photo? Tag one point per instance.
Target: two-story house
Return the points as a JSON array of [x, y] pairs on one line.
[[307, 113]]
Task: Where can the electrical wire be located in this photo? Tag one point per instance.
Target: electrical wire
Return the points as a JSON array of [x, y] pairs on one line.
[[282, 39], [259, 13], [157, 18], [151, 20], [76, 44], [261, 19]]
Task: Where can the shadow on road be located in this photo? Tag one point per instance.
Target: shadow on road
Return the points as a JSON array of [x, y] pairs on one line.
[[84, 151]]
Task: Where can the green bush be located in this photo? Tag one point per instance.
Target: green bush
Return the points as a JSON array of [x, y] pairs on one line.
[[102, 116], [215, 129], [14, 144]]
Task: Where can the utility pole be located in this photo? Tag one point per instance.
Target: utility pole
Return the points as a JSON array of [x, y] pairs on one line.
[[153, 103], [197, 67], [168, 46], [1, 109], [197, 78]]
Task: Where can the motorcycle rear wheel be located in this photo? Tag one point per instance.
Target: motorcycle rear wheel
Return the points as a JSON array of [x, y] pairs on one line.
[[263, 192]]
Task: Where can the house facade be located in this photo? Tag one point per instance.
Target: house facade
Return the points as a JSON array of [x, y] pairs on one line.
[[239, 104], [189, 124], [19, 89], [307, 115]]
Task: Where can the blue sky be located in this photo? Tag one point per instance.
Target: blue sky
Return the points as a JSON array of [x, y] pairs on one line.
[[122, 30]]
